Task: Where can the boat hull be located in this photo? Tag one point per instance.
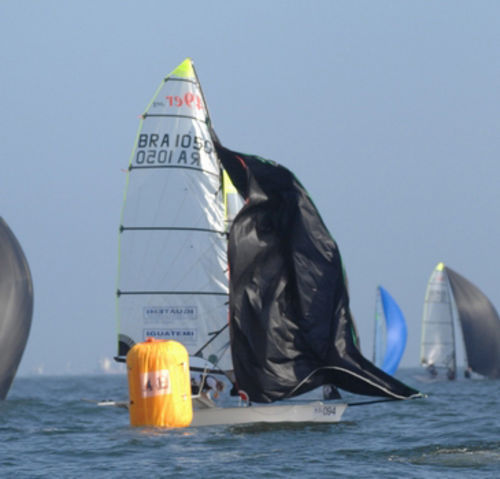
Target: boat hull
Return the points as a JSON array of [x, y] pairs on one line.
[[317, 411]]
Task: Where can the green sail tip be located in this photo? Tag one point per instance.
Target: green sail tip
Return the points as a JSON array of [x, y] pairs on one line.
[[184, 70]]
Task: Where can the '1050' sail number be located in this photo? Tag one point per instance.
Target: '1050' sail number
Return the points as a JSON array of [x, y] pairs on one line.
[[170, 149]]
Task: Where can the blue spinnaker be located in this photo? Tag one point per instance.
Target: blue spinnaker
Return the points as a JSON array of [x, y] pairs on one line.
[[396, 332]]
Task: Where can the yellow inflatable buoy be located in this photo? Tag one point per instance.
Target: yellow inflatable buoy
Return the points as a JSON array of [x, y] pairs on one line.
[[159, 384]]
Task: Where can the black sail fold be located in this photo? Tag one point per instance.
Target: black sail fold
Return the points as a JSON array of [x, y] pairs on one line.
[[480, 325], [290, 322]]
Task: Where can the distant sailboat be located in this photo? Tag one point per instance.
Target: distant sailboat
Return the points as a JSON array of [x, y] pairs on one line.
[[16, 306], [257, 293], [450, 298], [390, 332]]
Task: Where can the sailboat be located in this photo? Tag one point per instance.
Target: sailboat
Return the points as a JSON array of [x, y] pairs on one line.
[[203, 267], [16, 306], [390, 332], [451, 299]]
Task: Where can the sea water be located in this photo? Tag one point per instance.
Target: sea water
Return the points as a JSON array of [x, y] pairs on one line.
[[48, 429]]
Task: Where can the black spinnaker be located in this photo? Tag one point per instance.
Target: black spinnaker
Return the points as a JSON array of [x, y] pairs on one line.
[[290, 323], [16, 306], [480, 325]]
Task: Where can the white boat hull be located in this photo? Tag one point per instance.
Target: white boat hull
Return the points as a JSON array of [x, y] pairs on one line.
[[318, 412]]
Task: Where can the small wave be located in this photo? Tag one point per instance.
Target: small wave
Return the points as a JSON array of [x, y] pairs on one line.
[[458, 457]]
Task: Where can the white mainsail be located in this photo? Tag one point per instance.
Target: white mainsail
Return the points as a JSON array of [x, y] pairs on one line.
[[438, 333], [173, 279]]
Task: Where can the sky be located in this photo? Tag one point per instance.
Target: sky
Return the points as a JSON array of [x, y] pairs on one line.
[[386, 111]]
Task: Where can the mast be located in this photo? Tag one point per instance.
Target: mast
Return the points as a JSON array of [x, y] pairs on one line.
[[379, 336]]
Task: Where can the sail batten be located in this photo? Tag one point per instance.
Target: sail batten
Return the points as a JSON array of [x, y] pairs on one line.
[[176, 167], [169, 228], [210, 293], [187, 80], [165, 115]]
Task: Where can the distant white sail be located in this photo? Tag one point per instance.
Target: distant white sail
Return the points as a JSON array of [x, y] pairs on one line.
[[438, 332]]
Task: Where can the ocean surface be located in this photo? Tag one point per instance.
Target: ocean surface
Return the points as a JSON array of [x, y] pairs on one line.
[[47, 429]]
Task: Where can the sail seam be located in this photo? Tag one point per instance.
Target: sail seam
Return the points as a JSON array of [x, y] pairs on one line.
[[170, 228], [132, 167], [188, 80], [167, 115]]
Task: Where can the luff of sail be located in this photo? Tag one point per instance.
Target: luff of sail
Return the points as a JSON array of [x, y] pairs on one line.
[[16, 306], [172, 280], [480, 325], [291, 326], [390, 332], [438, 333]]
